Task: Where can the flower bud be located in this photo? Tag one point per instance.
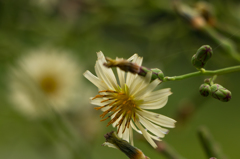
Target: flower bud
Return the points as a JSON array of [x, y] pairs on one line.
[[157, 73], [197, 63], [220, 93], [204, 53], [207, 80], [112, 140], [205, 90]]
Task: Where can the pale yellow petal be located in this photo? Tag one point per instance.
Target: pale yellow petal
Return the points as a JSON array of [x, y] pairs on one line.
[[148, 125], [108, 74], [146, 135], [95, 80], [126, 134], [145, 81], [121, 75], [131, 135], [158, 118], [154, 104], [156, 95], [130, 76], [145, 91]]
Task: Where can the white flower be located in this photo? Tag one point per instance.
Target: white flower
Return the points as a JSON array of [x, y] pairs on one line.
[[125, 104], [45, 79]]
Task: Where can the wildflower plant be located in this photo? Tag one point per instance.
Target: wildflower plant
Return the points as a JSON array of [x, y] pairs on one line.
[[49, 83], [124, 104]]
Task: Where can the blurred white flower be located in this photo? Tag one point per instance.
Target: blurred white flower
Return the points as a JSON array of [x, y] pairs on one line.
[[127, 102], [44, 79]]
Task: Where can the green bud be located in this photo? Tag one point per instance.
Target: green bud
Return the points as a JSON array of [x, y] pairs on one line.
[[204, 53], [207, 80], [197, 63], [205, 89], [220, 93], [157, 73]]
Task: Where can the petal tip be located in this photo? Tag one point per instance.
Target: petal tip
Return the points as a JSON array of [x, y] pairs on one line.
[[86, 72], [100, 55]]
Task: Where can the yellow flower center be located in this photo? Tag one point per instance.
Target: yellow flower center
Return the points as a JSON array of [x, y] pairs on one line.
[[49, 84], [121, 104]]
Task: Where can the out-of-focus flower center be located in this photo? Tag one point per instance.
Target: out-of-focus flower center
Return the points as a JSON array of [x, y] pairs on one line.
[[120, 104], [49, 84]]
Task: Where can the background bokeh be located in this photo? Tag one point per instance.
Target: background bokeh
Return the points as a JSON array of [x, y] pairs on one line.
[[119, 29]]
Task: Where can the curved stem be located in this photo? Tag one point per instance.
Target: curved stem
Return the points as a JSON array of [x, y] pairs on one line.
[[203, 73]]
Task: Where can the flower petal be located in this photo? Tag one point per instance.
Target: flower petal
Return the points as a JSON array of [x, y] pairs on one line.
[[154, 96], [131, 76], [154, 137], [116, 122], [140, 83], [139, 61], [158, 118], [104, 75], [155, 104], [121, 75], [109, 145], [135, 128], [120, 134], [147, 90], [95, 80], [108, 74], [132, 57], [105, 108], [148, 125], [131, 135], [126, 134], [146, 135]]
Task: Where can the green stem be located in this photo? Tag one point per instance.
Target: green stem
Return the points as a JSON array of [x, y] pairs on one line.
[[203, 73], [209, 145], [213, 79]]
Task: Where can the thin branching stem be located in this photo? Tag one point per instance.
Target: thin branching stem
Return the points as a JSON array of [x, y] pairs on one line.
[[204, 73]]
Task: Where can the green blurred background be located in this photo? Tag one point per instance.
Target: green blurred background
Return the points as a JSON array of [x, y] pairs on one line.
[[121, 28]]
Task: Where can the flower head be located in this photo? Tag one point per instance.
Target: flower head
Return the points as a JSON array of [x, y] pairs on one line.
[[45, 79], [125, 103]]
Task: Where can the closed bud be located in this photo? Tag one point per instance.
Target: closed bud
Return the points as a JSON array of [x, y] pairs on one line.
[[220, 93], [157, 73], [207, 80], [112, 140], [205, 90], [197, 63], [204, 53]]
